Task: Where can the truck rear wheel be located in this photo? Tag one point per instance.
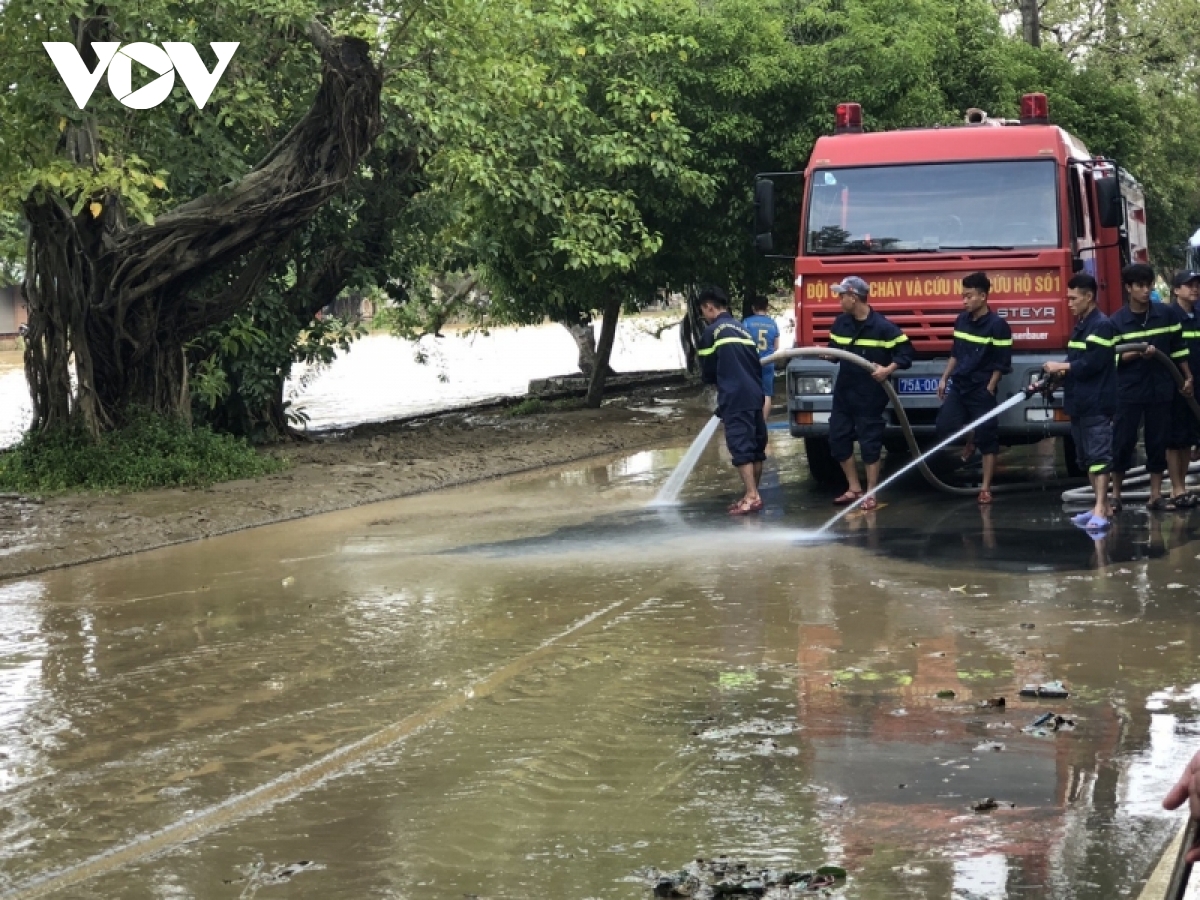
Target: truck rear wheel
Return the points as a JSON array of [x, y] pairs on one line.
[[824, 468]]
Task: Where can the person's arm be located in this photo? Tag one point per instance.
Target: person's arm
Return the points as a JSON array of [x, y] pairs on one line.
[[1001, 355], [899, 348], [1097, 353], [706, 353], [950, 364], [1187, 788]]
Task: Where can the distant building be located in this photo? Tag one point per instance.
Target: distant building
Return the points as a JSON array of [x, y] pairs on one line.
[[13, 313]]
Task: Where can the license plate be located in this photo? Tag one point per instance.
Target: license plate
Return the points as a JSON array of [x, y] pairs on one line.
[[917, 385]]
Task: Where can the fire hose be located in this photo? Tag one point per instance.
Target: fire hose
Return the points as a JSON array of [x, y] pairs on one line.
[[1134, 476]]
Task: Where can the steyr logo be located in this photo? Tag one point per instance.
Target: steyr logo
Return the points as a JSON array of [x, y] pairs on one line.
[[163, 61]]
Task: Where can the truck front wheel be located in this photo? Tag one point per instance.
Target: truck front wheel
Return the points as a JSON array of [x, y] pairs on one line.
[[821, 464]]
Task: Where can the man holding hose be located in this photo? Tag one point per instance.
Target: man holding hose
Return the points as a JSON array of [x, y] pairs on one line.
[[1145, 387], [1090, 394], [729, 359], [858, 396]]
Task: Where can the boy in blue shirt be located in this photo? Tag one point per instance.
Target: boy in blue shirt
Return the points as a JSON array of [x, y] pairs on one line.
[[765, 333]]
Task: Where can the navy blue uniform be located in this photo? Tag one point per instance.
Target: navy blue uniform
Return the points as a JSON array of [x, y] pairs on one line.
[[1090, 391], [981, 347], [1145, 388], [729, 359], [858, 399], [1185, 429]]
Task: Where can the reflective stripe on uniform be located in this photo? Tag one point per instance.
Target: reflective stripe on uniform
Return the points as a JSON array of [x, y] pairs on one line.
[[1181, 354], [978, 339], [869, 342], [1076, 345], [1137, 335], [722, 341], [1099, 467], [1191, 335], [1103, 342]]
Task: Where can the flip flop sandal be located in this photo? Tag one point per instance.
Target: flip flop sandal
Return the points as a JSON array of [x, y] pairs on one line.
[[984, 498], [869, 504], [745, 509], [1097, 524], [1082, 519], [1158, 504], [847, 498], [1117, 506]]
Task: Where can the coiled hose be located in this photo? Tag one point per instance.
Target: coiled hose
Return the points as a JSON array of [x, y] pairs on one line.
[[911, 439], [1139, 475]]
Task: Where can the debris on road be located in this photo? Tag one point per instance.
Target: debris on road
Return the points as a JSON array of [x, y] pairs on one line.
[[1054, 690], [1048, 723], [705, 879]]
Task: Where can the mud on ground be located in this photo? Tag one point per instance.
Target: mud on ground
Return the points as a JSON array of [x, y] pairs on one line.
[[367, 464]]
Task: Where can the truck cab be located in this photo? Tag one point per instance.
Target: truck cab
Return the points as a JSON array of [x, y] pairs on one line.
[[913, 211]]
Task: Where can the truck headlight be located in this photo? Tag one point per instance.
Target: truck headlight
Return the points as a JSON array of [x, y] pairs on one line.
[[818, 384]]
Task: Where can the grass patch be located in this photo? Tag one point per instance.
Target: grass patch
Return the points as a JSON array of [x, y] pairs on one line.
[[533, 406], [150, 452]]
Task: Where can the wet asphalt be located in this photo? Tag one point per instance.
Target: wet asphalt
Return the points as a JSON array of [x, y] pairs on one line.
[[539, 687]]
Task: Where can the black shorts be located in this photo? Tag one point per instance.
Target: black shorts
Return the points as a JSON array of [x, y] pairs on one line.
[[961, 408], [746, 435], [846, 426], [1154, 419], [1093, 437], [1185, 427]]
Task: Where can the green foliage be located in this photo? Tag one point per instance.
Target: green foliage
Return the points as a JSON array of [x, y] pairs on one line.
[[150, 452]]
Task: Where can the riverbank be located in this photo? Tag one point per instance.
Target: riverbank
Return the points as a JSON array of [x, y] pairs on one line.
[[362, 465]]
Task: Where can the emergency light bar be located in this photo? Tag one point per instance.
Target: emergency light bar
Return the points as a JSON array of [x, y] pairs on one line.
[[849, 119], [1035, 110]]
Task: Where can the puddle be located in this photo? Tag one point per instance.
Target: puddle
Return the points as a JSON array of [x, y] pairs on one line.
[[789, 704]]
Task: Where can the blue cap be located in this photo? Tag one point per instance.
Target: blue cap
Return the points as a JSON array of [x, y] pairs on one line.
[[1184, 277], [852, 285]]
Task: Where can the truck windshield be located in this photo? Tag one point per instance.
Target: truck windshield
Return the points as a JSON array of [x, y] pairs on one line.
[[1007, 205]]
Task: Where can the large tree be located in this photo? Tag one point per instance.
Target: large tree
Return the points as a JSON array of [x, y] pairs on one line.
[[118, 278]]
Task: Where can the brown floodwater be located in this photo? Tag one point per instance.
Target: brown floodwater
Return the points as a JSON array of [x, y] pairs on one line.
[[537, 687]]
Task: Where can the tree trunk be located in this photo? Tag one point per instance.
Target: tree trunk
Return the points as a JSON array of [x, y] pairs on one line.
[[608, 333], [121, 301], [585, 340], [1031, 27]]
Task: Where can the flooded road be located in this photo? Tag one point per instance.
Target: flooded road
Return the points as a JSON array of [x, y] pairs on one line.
[[537, 687]]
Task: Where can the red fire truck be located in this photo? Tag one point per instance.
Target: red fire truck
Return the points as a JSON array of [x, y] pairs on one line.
[[913, 211]]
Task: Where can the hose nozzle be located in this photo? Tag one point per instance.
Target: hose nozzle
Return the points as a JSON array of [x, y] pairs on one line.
[[1043, 386]]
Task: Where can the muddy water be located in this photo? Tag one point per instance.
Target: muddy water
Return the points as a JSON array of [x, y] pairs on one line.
[[537, 687]]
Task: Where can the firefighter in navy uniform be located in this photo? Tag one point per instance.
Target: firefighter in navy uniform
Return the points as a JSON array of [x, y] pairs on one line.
[[729, 359], [1145, 387], [1185, 429], [980, 356], [1090, 394], [858, 395]]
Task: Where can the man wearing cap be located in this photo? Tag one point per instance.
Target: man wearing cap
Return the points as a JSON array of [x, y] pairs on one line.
[[979, 357], [1145, 387], [729, 359], [1185, 428], [858, 396]]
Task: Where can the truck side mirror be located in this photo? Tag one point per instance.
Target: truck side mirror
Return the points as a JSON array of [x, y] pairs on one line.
[[1110, 205], [764, 215]]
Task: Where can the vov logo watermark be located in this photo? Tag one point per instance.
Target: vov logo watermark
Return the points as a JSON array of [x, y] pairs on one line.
[[164, 61]]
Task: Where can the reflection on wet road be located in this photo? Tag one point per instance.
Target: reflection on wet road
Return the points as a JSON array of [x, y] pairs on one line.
[[744, 689]]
